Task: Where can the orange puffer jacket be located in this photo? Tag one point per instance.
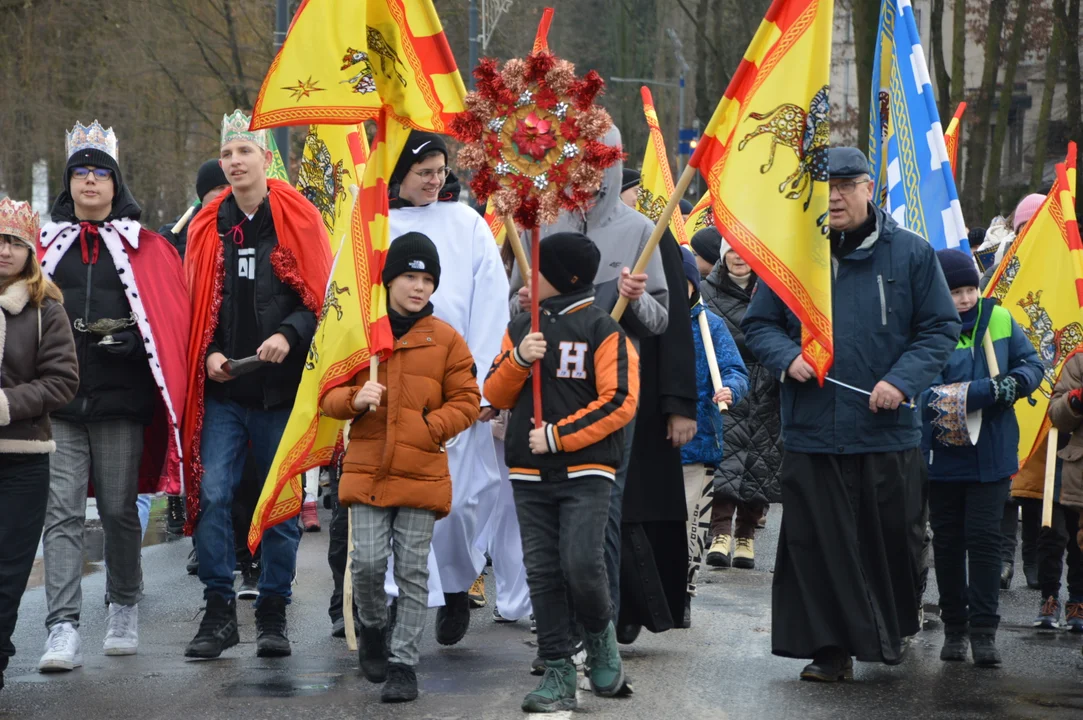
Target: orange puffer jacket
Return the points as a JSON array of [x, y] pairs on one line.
[[396, 455]]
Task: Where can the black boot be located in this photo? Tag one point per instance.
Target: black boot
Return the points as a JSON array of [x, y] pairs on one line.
[[627, 633], [401, 685], [218, 629], [956, 641], [1007, 572], [174, 523], [983, 646], [372, 654], [1030, 572], [452, 620], [271, 640], [830, 664]]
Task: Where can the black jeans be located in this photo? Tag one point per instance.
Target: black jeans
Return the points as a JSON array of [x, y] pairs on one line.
[[24, 491], [563, 525], [338, 544], [1009, 526], [965, 517], [1052, 542]]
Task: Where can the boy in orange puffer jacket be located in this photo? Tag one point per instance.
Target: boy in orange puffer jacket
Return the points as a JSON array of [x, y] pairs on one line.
[[395, 477]]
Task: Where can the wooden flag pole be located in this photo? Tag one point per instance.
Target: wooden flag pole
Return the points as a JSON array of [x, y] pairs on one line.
[[712, 361], [347, 585], [535, 324], [374, 369], [990, 355], [656, 236], [517, 246], [1050, 476], [184, 219]]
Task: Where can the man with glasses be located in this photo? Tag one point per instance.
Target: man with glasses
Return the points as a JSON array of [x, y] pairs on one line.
[[853, 478], [124, 294], [424, 196]]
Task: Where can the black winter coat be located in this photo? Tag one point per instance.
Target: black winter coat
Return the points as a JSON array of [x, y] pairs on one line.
[[277, 308], [654, 491], [111, 386], [752, 429]]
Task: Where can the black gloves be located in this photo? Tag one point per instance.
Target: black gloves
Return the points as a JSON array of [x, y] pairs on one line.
[[125, 343], [1005, 390]]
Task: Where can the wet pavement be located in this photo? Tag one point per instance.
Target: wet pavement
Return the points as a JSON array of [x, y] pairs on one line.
[[721, 668]]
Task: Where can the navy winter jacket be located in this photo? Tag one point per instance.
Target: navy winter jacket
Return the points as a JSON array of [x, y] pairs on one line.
[[706, 447], [894, 320], [996, 455]]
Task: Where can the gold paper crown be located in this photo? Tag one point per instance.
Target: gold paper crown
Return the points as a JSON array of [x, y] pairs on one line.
[[19, 219], [235, 127], [94, 137]]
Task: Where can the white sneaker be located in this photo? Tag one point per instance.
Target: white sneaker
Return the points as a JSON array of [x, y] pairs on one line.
[[122, 630], [63, 649]]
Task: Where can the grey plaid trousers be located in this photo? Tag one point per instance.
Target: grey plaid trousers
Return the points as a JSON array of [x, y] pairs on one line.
[[375, 531]]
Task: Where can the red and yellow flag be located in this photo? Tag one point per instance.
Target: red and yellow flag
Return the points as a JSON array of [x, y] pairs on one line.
[[951, 137], [333, 160], [764, 156], [1040, 282], [702, 216], [656, 180], [343, 60], [353, 328]]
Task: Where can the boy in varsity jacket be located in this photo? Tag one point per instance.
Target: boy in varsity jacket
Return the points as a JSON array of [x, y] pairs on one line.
[[561, 472]]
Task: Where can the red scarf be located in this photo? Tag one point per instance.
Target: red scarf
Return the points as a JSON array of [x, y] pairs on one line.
[[302, 261]]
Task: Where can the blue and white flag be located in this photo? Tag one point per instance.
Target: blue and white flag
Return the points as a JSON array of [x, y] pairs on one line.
[[909, 157]]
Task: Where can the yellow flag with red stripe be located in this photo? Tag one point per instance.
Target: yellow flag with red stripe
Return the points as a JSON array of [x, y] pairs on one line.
[[1040, 282], [951, 138], [344, 60], [764, 157], [495, 223], [333, 160], [656, 180], [702, 216], [353, 328]]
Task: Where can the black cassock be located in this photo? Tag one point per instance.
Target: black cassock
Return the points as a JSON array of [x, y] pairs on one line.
[[654, 546], [847, 572]]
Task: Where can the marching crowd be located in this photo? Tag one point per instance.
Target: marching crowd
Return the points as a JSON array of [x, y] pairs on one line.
[[135, 362]]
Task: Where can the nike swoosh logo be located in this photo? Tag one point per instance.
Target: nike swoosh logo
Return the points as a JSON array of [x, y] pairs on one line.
[[419, 147]]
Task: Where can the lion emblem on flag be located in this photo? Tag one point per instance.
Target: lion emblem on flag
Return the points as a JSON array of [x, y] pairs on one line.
[[320, 180], [807, 133]]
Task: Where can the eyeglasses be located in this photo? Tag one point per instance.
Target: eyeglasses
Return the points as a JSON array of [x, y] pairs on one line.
[[99, 173], [12, 242], [847, 187], [428, 175]]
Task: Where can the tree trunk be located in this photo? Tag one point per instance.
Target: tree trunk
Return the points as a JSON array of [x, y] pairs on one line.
[[991, 203], [940, 69], [704, 97], [1052, 67], [958, 54], [1072, 74], [866, 21], [980, 114]]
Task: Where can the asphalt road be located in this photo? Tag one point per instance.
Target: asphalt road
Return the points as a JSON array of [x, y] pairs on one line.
[[722, 668]]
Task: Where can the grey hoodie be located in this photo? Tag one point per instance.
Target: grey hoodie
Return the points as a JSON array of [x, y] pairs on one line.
[[620, 233]]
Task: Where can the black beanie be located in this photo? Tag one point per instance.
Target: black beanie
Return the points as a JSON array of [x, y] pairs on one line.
[[96, 158], [959, 269], [686, 207], [707, 243], [691, 270], [209, 177], [418, 145], [412, 252], [629, 179], [569, 261]]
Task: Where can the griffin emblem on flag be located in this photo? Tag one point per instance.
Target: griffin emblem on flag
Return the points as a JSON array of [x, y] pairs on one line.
[[320, 179]]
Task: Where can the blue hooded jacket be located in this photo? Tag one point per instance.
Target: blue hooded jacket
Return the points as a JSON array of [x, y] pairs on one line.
[[706, 447], [894, 320], [996, 454]]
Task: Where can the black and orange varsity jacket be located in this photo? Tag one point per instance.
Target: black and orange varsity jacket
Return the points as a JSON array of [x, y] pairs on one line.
[[590, 387]]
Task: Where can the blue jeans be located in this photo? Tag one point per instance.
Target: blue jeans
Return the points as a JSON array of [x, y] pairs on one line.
[[612, 526], [227, 430]]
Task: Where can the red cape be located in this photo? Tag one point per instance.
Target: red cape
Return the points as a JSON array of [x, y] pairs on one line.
[[302, 260], [162, 309]]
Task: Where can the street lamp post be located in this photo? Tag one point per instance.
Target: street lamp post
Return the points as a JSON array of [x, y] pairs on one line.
[[282, 24]]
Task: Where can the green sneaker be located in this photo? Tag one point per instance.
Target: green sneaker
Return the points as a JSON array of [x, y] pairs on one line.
[[604, 667], [556, 690]]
